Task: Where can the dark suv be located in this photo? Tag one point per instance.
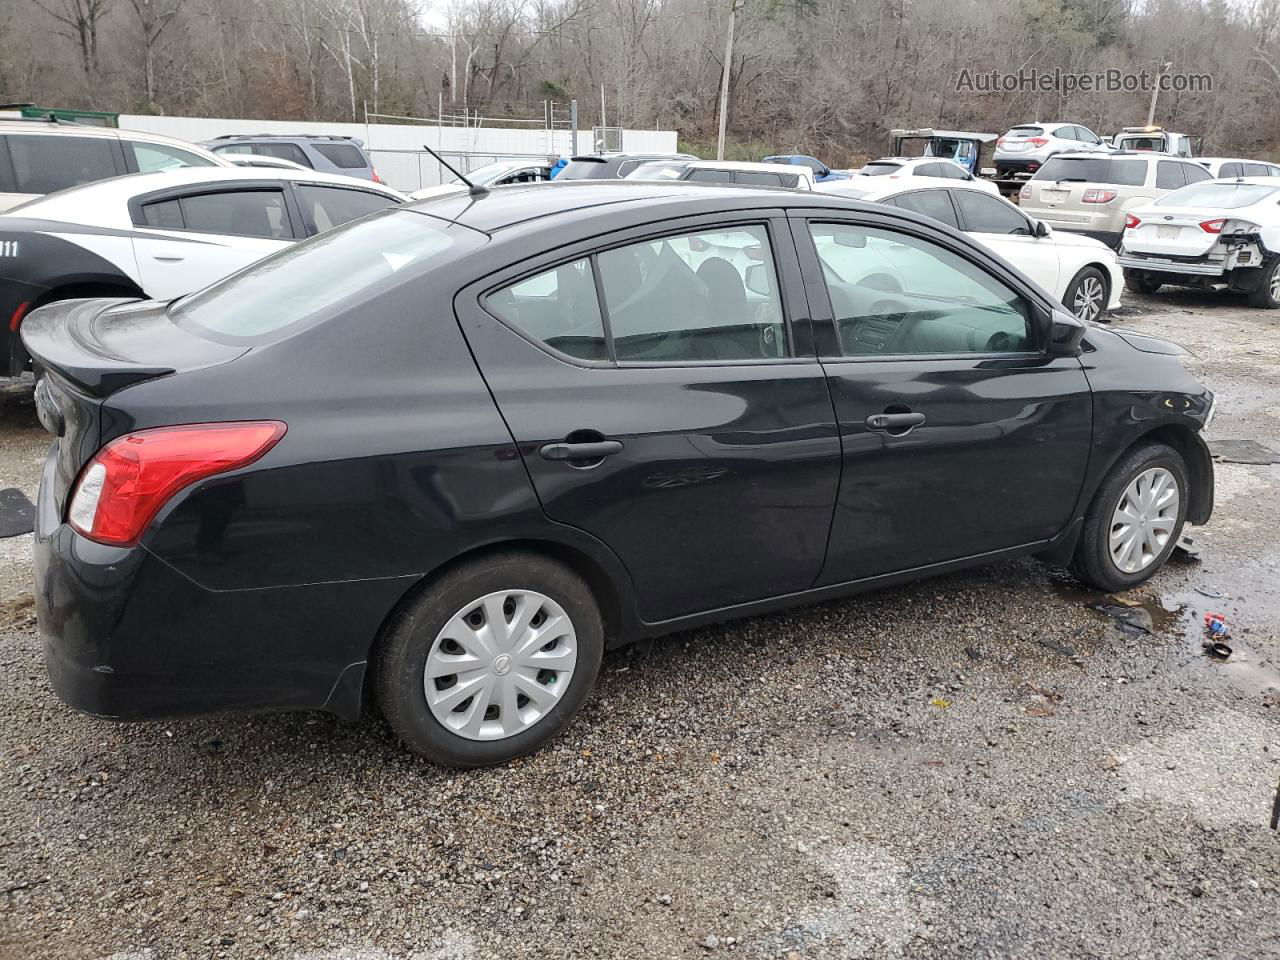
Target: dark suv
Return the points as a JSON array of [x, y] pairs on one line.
[[329, 154]]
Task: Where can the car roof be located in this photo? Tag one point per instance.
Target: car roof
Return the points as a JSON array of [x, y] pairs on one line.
[[787, 168], [911, 161], [308, 137], [89, 130], [567, 201]]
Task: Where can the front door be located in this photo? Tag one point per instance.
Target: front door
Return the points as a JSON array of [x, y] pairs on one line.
[[960, 437], [665, 399]]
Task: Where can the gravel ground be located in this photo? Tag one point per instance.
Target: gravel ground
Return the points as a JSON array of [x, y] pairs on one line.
[[975, 766]]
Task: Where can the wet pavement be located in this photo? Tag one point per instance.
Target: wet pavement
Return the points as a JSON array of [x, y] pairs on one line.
[[992, 764]]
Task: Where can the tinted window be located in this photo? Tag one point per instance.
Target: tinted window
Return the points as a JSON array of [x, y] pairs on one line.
[[1256, 170], [324, 208], [167, 215], [1122, 172], [43, 164], [759, 178], [158, 156], [880, 169], [1169, 175], [1066, 133], [895, 294], [1027, 131], [558, 308], [711, 176], [703, 296], [929, 170], [952, 171], [346, 264], [1228, 170], [344, 155], [931, 203], [236, 148], [1195, 173], [242, 213], [583, 170], [986, 214], [283, 151]]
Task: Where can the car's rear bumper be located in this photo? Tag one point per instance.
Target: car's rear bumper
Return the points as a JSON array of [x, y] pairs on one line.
[[1198, 268], [1018, 164], [127, 636]]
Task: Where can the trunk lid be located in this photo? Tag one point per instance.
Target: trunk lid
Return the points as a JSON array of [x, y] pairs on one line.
[[88, 350], [1173, 232]]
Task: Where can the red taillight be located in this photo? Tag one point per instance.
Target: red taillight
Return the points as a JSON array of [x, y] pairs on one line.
[[1099, 196], [1037, 141], [376, 178], [15, 321], [1130, 221], [132, 477], [1213, 226], [999, 141], [1025, 193]]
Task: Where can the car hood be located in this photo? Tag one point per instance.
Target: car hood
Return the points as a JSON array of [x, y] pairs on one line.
[[1147, 343]]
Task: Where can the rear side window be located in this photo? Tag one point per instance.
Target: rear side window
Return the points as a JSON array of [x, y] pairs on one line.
[[347, 156], [1195, 173], [43, 164], [282, 151], [930, 203], [1169, 175], [1257, 170], [759, 178], [243, 213], [324, 208], [330, 272], [558, 308], [1228, 170], [583, 170], [987, 214], [710, 176], [166, 215], [149, 157]]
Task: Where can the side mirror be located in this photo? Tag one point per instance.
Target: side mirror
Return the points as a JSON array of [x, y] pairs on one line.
[[1042, 229], [1065, 334]]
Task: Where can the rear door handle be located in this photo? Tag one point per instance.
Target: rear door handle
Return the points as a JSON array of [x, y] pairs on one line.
[[594, 450], [169, 259], [894, 421]]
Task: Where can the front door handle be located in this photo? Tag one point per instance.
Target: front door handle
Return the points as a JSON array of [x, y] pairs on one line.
[[894, 421], [168, 259], [594, 450]]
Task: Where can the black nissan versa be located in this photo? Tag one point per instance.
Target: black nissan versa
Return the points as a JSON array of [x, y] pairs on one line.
[[443, 456]]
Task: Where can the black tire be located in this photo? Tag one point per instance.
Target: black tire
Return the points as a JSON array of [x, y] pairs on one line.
[[1078, 281], [1092, 562], [1136, 282], [403, 654], [1266, 295]]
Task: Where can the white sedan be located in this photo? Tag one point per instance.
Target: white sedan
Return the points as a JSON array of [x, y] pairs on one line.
[[1208, 234], [922, 171], [1079, 271]]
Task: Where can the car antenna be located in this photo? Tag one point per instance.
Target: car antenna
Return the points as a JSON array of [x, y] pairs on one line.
[[475, 191]]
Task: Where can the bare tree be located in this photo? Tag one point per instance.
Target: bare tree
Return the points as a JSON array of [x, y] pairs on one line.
[[80, 18], [153, 16]]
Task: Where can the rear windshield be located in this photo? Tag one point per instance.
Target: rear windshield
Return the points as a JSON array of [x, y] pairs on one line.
[[1025, 132], [328, 270], [1227, 196], [582, 170], [344, 155], [1125, 173], [658, 171], [880, 169]]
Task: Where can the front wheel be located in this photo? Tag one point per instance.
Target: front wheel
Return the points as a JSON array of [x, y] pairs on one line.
[[490, 661], [1135, 519], [1086, 295], [1266, 295]]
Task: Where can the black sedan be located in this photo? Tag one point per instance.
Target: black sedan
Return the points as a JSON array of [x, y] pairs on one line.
[[442, 457]]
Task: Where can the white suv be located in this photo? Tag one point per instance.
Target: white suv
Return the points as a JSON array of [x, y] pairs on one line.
[[41, 156], [1026, 147]]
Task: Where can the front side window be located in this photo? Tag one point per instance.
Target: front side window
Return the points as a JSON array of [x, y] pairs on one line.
[[43, 164], [1195, 173], [710, 176], [342, 267], [984, 213], [1228, 170], [1169, 175], [929, 170], [558, 308], [324, 208], [894, 294], [931, 203], [150, 157], [239, 213]]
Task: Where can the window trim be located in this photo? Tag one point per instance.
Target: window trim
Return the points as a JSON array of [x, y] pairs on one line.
[[295, 186], [826, 337], [964, 221], [775, 225], [292, 212]]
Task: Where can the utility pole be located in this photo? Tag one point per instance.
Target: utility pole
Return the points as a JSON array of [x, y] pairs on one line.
[[724, 80], [1155, 90]]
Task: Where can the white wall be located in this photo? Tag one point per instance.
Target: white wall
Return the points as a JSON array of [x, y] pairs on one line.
[[396, 149]]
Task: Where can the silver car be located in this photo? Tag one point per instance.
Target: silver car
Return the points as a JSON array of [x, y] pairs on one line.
[[1026, 147]]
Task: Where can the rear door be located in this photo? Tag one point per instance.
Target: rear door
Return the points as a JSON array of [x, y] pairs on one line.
[[665, 398], [194, 236], [960, 436]]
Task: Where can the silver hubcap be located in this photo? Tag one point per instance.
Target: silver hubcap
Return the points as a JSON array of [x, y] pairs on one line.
[[1275, 284], [500, 664], [1144, 519], [1088, 300]]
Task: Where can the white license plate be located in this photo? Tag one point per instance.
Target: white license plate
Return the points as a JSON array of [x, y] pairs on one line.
[[1167, 233], [1014, 146], [1053, 196]]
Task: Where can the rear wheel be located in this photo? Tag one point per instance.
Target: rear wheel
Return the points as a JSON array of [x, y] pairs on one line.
[[1136, 282], [1086, 295], [1266, 295], [1135, 519], [491, 661]]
